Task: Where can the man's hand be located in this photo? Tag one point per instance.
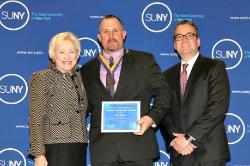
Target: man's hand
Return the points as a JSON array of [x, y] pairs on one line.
[[145, 122], [181, 145], [188, 149]]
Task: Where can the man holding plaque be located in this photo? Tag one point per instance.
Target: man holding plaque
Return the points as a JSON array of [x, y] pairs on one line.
[[119, 84]]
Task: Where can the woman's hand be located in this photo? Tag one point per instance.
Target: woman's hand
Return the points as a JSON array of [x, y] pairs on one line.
[[41, 161]]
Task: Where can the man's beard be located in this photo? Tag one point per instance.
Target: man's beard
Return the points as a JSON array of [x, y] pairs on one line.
[[113, 46]]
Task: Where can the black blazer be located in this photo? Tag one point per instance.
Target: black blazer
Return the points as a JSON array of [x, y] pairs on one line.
[[140, 79], [202, 110]]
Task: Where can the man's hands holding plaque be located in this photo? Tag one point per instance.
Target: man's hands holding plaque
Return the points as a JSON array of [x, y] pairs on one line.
[[145, 122]]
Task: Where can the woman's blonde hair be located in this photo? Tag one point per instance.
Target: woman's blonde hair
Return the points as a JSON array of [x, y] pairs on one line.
[[58, 38]]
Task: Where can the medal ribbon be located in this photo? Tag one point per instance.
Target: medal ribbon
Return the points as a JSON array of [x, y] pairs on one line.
[[105, 63]]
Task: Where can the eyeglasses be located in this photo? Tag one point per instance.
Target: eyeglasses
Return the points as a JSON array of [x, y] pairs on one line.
[[188, 36]]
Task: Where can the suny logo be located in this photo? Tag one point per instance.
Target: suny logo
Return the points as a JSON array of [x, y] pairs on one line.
[[156, 17], [12, 157], [14, 15], [13, 89], [90, 47], [229, 51], [164, 159], [235, 128]]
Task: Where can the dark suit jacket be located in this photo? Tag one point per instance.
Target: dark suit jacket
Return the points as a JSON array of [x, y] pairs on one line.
[[202, 110], [140, 79]]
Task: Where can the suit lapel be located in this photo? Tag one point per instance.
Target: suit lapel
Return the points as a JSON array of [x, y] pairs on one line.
[[177, 83], [127, 62], [96, 69], [193, 76]]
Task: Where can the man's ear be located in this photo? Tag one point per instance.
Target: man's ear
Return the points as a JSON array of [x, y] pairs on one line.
[[99, 38], [124, 34]]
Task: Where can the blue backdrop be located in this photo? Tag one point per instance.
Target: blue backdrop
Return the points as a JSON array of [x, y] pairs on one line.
[[27, 26]]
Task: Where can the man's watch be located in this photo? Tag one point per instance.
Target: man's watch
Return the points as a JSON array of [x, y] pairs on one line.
[[189, 138], [153, 124]]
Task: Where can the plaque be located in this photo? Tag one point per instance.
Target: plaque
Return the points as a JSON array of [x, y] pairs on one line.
[[120, 116]]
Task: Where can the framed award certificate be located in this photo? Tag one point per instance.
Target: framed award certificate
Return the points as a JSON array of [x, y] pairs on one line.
[[120, 116]]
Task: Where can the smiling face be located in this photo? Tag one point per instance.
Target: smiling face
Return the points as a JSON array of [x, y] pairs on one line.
[[65, 56], [188, 47], [111, 35]]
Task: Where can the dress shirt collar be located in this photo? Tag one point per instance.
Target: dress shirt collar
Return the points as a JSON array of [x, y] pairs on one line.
[[115, 55], [190, 63]]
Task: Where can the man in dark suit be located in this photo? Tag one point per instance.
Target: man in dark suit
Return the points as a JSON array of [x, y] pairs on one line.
[[135, 77], [195, 122]]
